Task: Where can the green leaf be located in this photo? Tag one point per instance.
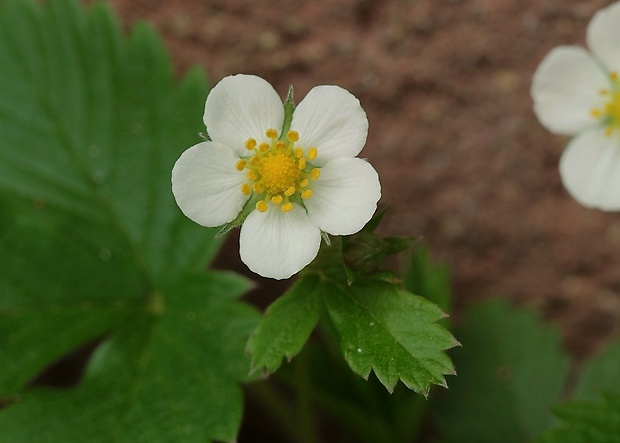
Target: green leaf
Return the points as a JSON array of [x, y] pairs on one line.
[[586, 422], [425, 278], [599, 374], [390, 331], [511, 371], [93, 245], [286, 325], [151, 380]]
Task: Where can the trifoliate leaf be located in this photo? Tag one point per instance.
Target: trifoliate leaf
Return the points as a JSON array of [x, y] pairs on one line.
[[159, 378], [93, 245], [389, 331], [286, 326], [587, 422], [511, 371]]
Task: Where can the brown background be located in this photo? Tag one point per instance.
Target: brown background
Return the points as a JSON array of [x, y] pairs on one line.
[[462, 159]]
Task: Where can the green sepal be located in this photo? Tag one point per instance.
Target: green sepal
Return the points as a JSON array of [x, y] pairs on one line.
[[289, 107], [238, 221], [366, 251]]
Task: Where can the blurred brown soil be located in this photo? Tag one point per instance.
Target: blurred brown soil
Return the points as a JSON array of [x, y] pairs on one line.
[[462, 159]]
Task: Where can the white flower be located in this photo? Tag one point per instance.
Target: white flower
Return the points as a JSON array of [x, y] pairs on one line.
[[293, 185], [577, 93]]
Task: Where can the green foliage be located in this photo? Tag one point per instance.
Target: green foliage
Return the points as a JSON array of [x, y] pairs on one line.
[[286, 325], [428, 279], [380, 327], [587, 422], [93, 245], [511, 371]]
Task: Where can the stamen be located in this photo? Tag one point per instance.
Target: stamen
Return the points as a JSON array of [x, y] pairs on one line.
[[292, 136], [286, 207], [262, 206], [596, 113], [241, 164], [277, 170]]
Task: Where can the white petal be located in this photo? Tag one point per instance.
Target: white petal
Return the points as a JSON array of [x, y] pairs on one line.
[[604, 36], [241, 107], [566, 87], [277, 245], [345, 196], [330, 119], [590, 169], [206, 184]]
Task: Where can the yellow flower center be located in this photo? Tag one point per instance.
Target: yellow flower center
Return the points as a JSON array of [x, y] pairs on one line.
[[278, 171], [609, 114]]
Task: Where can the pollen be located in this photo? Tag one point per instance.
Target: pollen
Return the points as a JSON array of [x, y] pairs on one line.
[[262, 206], [278, 171], [286, 207], [292, 136], [609, 113]]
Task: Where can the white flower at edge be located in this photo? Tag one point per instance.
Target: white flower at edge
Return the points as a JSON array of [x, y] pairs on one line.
[[577, 93], [304, 182]]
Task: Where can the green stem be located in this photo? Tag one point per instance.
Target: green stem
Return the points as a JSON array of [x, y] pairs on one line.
[[304, 388]]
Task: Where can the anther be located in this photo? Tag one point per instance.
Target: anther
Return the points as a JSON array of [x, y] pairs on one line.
[[292, 136], [258, 188], [262, 206], [299, 153], [252, 175], [271, 133], [250, 144], [263, 147], [254, 160], [303, 183], [312, 153], [276, 199], [241, 165], [315, 173], [302, 164], [596, 113], [286, 207], [280, 145], [306, 194], [245, 189], [290, 191]]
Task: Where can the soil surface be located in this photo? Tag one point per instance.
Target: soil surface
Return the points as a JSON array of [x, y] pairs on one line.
[[463, 161]]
